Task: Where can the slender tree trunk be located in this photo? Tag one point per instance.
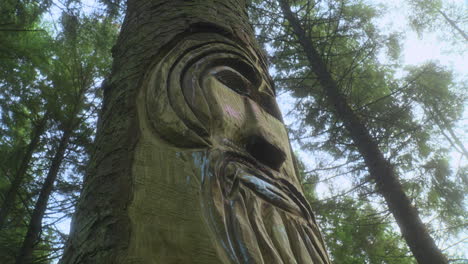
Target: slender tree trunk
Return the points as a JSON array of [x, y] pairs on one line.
[[453, 24], [382, 172], [10, 197], [443, 125], [458, 142], [33, 234]]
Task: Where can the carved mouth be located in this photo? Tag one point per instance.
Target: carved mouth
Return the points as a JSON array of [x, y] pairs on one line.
[[237, 170]]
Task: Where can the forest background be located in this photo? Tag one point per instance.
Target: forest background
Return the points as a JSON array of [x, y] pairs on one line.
[[400, 65]]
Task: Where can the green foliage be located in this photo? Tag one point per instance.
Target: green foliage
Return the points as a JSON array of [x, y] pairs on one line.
[[425, 13], [353, 229], [356, 233], [412, 118], [57, 74], [432, 87], [431, 15]]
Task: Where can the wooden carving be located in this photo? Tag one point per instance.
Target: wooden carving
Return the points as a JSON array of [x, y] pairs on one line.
[[232, 195]]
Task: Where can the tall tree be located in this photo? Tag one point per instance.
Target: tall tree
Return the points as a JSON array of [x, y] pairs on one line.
[[192, 161], [35, 224], [354, 231], [78, 61], [22, 56], [10, 197], [430, 14], [381, 170], [348, 36]]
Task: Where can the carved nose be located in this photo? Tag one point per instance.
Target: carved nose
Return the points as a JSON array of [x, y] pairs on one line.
[[265, 152]]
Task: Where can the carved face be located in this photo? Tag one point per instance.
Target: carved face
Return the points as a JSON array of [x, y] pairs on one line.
[[208, 93]]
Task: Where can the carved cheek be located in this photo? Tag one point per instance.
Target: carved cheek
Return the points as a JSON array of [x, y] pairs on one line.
[[232, 112], [228, 111]]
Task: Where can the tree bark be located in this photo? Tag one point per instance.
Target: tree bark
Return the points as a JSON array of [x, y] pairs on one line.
[[152, 194], [10, 197], [381, 171], [33, 234]]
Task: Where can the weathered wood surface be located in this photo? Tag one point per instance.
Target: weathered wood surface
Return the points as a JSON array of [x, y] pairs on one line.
[[193, 162]]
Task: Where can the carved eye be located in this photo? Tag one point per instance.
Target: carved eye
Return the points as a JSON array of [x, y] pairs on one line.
[[234, 80], [241, 85]]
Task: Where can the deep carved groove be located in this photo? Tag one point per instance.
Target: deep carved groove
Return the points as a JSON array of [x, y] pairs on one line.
[[265, 152]]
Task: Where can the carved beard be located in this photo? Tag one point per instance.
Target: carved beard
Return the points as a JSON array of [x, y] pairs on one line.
[[256, 215], [208, 93]]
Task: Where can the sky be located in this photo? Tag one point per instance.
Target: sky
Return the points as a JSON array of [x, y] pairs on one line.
[[431, 46]]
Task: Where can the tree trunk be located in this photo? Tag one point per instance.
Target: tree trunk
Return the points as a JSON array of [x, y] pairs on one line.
[[33, 234], [10, 197], [453, 24], [382, 172], [192, 161], [443, 125]]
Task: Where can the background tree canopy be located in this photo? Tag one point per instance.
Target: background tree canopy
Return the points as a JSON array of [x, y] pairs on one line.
[[55, 56]]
